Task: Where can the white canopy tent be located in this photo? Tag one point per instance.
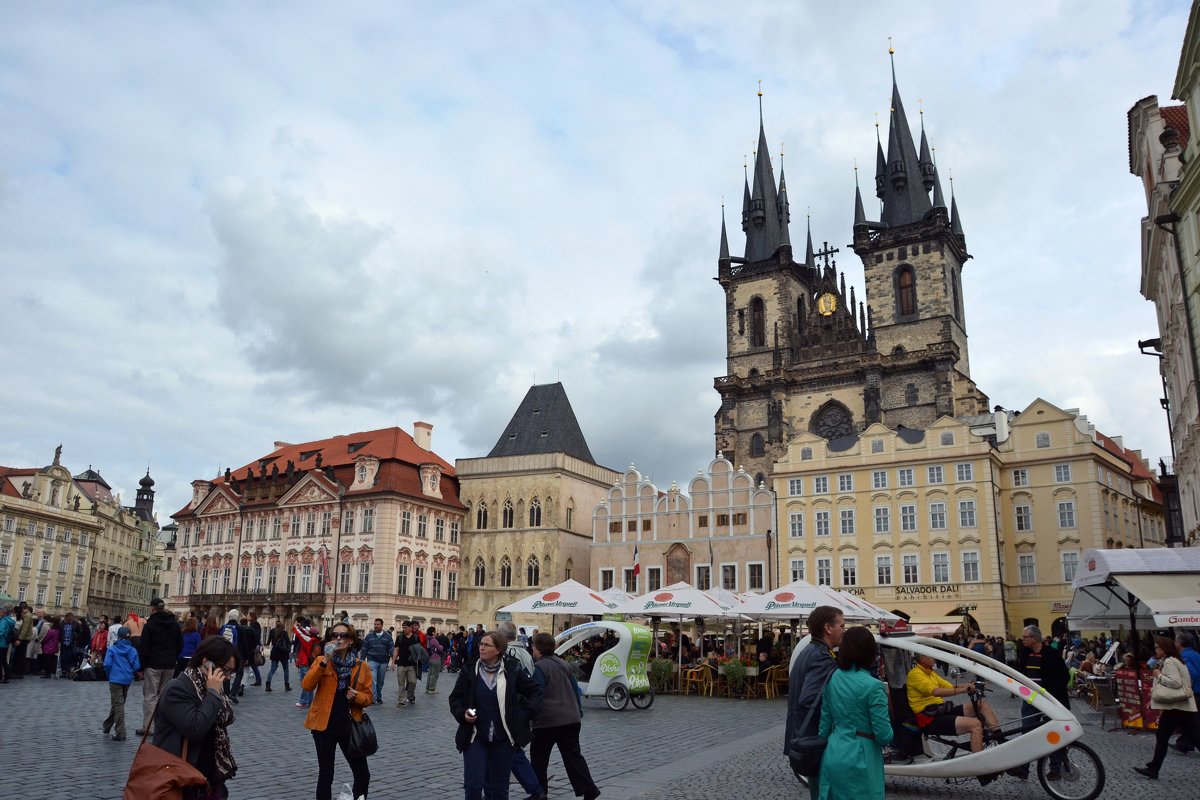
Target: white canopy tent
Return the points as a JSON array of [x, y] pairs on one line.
[[569, 597], [796, 600], [1137, 587], [679, 601]]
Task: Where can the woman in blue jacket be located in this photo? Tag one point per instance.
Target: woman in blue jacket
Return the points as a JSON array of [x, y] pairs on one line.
[[854, 719]]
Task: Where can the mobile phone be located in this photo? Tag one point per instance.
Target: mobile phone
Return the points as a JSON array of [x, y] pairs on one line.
[[471, 712]]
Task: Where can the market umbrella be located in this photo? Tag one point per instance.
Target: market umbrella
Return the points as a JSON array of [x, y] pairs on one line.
[[679, 601], [797, 599], [569, 597]]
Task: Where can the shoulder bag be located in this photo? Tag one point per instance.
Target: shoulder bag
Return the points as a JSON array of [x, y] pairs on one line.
[[363, 741], [158, 775], [1162, 693], [806, 752]]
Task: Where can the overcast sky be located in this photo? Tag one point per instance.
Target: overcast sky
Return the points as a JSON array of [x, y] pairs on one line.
[[223, 224]]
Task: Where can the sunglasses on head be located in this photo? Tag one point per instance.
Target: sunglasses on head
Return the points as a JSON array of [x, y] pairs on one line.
[[341, 636]]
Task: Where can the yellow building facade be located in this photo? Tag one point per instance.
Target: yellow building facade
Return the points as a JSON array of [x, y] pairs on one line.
[[982, 520], [68, 544]]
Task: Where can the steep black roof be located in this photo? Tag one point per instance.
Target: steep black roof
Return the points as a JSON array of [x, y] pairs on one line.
[[543, 423], [91, 475]]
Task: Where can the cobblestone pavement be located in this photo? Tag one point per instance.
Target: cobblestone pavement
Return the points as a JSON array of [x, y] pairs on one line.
[[681, 748]]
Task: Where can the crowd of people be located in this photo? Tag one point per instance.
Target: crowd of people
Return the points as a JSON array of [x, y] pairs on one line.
[[506, 696], [838, 694]]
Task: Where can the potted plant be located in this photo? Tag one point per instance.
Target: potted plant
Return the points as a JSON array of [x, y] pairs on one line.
[[662, 674], [735, 672]]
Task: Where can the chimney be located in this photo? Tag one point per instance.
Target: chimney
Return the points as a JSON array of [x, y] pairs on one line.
[[280, 445], [423, 435]]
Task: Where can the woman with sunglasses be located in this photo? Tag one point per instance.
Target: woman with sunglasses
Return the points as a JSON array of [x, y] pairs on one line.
[[341, 687]]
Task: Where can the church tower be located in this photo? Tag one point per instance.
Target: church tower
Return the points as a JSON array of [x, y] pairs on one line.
[[803, 353], [787, 323], [913, 259]]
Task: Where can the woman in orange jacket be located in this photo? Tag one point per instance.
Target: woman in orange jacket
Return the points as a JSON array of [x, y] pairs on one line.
[[341, 686]]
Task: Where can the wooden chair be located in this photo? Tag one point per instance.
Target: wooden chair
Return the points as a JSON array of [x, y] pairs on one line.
[[700, 677], [775, 681]]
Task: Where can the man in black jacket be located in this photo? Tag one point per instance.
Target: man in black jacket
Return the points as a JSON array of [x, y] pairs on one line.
[[1044, 666], [161, 643], [559, 721], [808, 676]]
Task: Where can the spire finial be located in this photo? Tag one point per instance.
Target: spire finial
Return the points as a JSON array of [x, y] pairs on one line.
[[760, 110], [892, 58]]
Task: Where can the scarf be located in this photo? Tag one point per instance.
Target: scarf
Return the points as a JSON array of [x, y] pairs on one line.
[[343, 668], [226, 767], [489, 673]]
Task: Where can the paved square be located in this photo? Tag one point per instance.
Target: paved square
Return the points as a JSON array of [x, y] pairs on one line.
[[682, 748]]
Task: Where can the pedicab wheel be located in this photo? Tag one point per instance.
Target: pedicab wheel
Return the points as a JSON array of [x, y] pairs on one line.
[[1079, 776], [617, 696], [643, 701]]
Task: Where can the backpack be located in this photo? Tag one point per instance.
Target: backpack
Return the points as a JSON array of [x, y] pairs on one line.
[[229, 631]]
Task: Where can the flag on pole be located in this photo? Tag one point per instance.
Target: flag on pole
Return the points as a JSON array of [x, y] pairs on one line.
[[637, 562]]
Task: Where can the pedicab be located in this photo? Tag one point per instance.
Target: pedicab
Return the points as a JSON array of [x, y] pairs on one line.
[[619, 675], [1074, 773]]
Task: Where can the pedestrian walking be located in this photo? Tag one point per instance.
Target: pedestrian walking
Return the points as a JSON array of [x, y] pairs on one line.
[[806, 682], [437, 654], [377, 649], [8, 631], [406, 663], [560, 720], [211, 627], [252, 632], [855, 722], [120, 664], [341, 686], [281, 653], [191, 640], [1189, 739], [231, 631], [1046, 668], [20, 650], [162, 642], [49, 655], [72, 637], [522, 770], [493, 701], [33, 652], [194, 709], [305, 641], [1172, 694]]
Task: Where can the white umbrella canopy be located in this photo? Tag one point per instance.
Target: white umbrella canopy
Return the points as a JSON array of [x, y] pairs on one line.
[[615, 595], [798, 599], [874, 613], [568, 597], [679, 601], [726, 598]]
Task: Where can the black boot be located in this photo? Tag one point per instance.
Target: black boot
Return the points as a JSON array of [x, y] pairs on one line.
[[268, 686]]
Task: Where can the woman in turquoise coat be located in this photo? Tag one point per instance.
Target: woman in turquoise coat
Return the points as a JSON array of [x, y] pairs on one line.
[[855, 721]]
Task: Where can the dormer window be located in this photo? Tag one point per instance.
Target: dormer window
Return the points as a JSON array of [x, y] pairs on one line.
[[362, 474]]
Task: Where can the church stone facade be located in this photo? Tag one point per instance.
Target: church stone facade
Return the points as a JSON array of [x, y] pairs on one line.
[[806, 355]]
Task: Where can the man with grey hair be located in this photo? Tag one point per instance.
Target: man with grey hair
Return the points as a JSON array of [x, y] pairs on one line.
[[1189, 739], [521, 768], [1044, 666]]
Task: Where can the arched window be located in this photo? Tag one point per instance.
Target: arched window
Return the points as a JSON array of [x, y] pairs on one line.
[[479, 572], [535, 513], [756, 446], [800, 314], [533, 572], [505, 572], [906, 292], [481, 517], [507, 516], [758, 323]]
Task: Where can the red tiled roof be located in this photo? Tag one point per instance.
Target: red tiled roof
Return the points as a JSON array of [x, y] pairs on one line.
[[1176, 117], [1137, 468], [6, 486], [400, 458]]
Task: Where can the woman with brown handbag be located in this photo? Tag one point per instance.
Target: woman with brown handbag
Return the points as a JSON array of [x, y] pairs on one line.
[[193, 711], [1172, 693], [342, 688]]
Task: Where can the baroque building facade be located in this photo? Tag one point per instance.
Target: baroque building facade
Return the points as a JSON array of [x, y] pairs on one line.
[[527, 504], [716, 534], [68, 544], [366, 522], [805, 355], [1162, 143], [982, 519]]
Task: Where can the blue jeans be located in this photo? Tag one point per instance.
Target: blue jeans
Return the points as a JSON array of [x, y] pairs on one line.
[[378, 675], [305, 696], [287, 681], [523, 771], [485, 770]]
